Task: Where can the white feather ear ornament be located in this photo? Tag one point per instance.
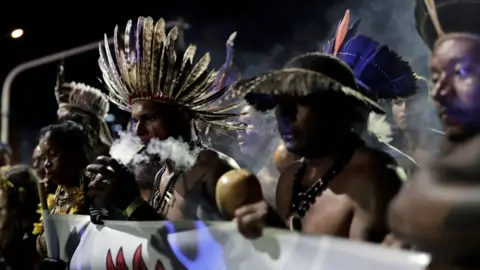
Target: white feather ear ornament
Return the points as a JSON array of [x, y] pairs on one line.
[[377, 125]]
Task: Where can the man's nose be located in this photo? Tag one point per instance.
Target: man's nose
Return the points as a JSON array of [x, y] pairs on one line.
[[47, 164], [140, 129], [442, 88]]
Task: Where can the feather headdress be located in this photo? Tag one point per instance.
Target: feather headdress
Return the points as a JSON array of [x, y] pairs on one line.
[[380, 72], [85, 98], [81, 96], [440, 19], [227, 74], [144, 65]]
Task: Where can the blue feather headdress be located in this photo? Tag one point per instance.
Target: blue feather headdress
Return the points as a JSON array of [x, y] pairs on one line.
[[380, 72]]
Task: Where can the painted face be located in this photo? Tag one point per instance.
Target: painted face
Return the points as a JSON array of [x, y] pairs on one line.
[[254, 136], [455, 68], [38, 162]]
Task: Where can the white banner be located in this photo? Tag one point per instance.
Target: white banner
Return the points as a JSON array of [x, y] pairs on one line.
[[195, 245]]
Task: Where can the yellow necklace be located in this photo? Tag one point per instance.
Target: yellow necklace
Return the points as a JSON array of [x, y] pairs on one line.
[[65, 201]]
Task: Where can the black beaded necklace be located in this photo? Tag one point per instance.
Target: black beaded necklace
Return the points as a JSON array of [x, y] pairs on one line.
[[303, 199]]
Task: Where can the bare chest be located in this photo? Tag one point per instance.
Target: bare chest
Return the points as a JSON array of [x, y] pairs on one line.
[[183, 196], [330, 214], [170, 200]]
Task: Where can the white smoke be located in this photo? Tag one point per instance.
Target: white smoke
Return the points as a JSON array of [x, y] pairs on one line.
[[176, 151], [125, 148], [126, 151]]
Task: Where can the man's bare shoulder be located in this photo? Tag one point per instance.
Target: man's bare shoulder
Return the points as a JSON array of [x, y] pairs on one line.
[[378, 167], [291, 169], [211, 157]]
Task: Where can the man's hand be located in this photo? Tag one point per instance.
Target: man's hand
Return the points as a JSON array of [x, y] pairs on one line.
[[394, 242], [251, 219], [113, 183]]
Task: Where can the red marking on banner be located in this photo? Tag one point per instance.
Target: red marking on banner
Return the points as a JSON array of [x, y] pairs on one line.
[[137, 261]]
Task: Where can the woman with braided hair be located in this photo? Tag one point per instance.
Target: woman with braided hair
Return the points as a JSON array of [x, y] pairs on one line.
[[18, 212], [67, 149]]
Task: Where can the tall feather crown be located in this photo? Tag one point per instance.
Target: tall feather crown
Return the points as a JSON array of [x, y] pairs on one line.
[[81, 96], [144, 65]]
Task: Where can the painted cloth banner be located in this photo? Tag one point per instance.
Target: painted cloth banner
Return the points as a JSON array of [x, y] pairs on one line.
[[128, 245]]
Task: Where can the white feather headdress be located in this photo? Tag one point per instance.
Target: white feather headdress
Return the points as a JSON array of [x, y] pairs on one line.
[[85, 98], [378, 126], [144, 65], [80, 95]]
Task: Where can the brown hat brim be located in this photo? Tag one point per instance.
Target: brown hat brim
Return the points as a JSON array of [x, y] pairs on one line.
[[293, 82]]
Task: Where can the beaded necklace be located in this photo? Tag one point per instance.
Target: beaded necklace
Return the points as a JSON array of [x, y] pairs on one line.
[[64, 201], [302, 199]]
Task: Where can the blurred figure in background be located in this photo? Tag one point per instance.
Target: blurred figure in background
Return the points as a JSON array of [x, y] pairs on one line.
[[5, 154], [39, 167], [89, 105], [38, 162], [412, 132], [18, 212], [258, 143]]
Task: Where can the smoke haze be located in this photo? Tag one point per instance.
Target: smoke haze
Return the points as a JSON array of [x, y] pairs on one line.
[[390, 22], [126, 151]]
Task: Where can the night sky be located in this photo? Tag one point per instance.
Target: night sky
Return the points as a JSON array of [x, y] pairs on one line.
[[269, 33], [50, 28]]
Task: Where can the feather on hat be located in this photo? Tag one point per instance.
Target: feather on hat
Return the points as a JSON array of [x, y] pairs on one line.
[[305, 75], [302, 76], [380, 72], [144, 65], [437, 18]]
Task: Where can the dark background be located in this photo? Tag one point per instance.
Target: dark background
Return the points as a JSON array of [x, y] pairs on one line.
[[50, 28], [269, 33]]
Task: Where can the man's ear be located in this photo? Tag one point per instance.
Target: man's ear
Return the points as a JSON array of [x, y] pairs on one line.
[[188, 114]]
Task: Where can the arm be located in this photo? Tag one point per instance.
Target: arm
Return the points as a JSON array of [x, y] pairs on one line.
[[435, 214], [211, 166], [374, 194]]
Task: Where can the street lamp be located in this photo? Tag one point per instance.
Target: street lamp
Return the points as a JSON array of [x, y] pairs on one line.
[[17, 33]]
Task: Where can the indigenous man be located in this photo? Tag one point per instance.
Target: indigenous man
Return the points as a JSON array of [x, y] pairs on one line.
[[89, 104], [341, 187], [168, 95], [439, 210]]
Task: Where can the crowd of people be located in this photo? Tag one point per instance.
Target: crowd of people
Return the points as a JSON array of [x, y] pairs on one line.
[[338, 140]]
